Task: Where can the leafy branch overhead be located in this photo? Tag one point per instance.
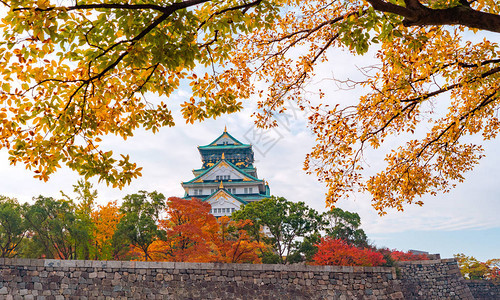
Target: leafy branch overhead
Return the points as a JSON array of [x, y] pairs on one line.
[[74, 73], [433, 87]]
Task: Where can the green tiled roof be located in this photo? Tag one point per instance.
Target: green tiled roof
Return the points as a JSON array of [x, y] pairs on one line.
[[223, 147], [238, 144], [242, 169], [231, 164], [205, 198]]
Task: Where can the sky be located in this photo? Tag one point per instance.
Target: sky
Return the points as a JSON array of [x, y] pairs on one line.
[[466, 220]]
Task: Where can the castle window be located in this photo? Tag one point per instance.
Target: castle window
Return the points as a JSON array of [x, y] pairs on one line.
[[246, 190], [250, 190]]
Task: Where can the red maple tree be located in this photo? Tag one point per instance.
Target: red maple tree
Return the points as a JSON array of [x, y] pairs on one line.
[[338, 252]]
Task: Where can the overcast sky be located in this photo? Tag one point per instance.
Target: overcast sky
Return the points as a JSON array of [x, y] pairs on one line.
[[465, 220]]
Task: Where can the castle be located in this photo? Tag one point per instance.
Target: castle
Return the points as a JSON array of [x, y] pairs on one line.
[[227, 179]]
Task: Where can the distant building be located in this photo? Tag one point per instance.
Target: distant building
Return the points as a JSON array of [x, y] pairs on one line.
[[430, 256], [227, 179], [418, 252]]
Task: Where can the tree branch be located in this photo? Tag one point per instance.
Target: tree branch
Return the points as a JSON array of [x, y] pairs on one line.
[[103, 6], [416, 14]]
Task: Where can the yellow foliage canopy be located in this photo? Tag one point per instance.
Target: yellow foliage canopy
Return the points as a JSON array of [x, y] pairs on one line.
[[421, 67]]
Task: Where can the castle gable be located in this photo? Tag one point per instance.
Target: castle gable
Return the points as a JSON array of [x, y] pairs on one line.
[[224, 170]]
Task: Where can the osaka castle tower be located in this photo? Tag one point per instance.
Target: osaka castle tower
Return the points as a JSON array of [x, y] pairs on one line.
[[227, 178]]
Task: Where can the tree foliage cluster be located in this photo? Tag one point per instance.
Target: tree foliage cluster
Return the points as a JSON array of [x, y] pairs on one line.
[[471, 268], [59, 228], [147, 226], [338, 252], [293, 229]]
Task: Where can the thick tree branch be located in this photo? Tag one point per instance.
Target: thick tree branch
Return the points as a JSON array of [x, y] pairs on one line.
[[102, 6], [416, 14], [413, 102]]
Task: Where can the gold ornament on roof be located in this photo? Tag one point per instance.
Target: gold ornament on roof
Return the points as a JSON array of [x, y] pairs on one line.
[[221, 186]]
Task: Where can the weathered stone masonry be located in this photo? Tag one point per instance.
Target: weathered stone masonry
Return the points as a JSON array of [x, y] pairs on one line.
[[432, 279], [58, 279], [484, 290]]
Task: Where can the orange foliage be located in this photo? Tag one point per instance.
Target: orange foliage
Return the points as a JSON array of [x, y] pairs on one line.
[[190, 232], [105, 219], [338, 253], [235, 245]]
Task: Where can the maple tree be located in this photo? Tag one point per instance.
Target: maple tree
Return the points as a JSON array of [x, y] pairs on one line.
[[193, 234], [393, 256], [65, 87], [424, 68], [105, 219], [73, 72], [234, 243], [338, 252], [190, 231], [407, 256]]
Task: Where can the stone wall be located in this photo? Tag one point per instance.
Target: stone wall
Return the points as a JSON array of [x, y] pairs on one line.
[[432, 279], [59, 279], [483, 289]]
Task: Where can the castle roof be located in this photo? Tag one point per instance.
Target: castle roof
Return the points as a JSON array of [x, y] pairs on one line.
[[246, 176], [224, 141]]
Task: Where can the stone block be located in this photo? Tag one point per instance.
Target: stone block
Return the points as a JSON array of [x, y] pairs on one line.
[[37, 262], [83, 264], [99, 264], [113, 264], [51, 263], [166, 265], [127, 265], [21, 262], [142, 264]]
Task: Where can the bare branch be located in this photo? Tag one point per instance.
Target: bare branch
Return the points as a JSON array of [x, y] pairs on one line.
[[416, 14]]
